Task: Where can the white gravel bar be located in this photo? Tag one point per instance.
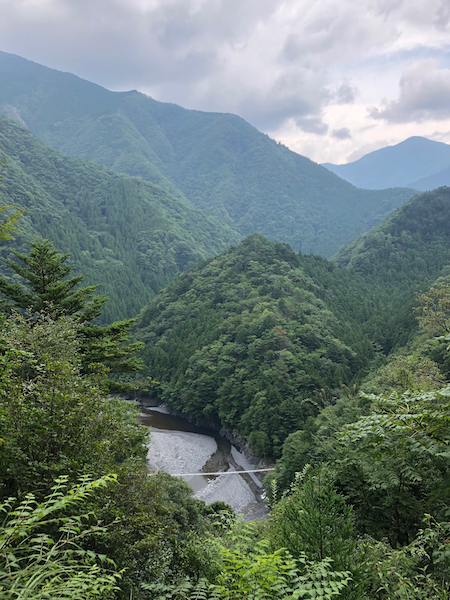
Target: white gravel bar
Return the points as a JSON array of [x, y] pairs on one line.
[[179, 451], [232, 490], [184, 453]]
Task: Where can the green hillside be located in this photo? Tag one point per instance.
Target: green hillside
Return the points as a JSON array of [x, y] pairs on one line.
[[246, 338], [126, 234], [219, 162], [401, 257], [251, 341], [409, 248]]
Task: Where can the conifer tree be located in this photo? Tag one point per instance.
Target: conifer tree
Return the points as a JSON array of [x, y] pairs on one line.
[[49, 292]]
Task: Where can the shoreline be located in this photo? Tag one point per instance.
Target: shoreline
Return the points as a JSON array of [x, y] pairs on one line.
[[233, 436]]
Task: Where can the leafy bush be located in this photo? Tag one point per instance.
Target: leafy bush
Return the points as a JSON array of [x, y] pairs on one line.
[[41, 552]]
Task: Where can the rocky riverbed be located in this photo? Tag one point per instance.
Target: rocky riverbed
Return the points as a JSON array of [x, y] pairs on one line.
[[183, 449]]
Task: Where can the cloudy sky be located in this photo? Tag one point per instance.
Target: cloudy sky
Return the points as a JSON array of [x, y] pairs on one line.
[[332, 79]]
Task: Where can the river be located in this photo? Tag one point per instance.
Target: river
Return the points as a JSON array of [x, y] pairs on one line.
[[183, 449]]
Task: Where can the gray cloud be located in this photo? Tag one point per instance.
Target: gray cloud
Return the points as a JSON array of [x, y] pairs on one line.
[[387, 7], [424, 95], [342, 134], [120, 45], [312, 125], [182, 51], [295, 94], [269, 111], [345, 94], [442, 16]]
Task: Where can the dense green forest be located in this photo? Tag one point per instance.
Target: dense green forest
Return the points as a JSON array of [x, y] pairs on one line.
[[220, 163], [359, 498], [273, 343], [127, 235], [259, 338], [247, 341], [401, 257]]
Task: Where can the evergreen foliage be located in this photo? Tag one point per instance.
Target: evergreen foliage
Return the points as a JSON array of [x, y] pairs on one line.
[[401, 257], [128, 236], [315, 520], [245, 340], [49, 293], [409, 248], [44, 272]]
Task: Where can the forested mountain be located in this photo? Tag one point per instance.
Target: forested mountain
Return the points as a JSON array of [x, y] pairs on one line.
[[267, 342], [416, 163], [247, 337], [410, 247], [126, 234], [259, 338], [250, 339], [401, 257], [219, 162]]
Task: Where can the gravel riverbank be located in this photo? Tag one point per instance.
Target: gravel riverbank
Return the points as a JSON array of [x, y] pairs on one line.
[[179, 452]]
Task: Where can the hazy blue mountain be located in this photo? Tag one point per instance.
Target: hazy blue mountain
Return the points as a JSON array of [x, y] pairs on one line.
[[126, 234], [406, 164], [220, 163], [440, 179]]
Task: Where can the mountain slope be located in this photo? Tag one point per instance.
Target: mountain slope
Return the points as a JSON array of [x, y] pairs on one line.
[[439, 179], [249, 340], [396, 166], [219, 162], [401, 257], [259, 337], [412, 245], [127, 234]]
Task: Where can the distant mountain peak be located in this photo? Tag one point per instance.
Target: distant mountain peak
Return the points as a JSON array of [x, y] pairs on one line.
[[411, 163]]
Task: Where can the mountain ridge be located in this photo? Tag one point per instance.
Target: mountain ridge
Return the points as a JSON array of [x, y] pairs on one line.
[[413, 163], [217, 162], [127, 234]]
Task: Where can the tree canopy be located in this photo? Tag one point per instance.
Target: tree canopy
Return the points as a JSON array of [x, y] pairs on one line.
[[50, 292]]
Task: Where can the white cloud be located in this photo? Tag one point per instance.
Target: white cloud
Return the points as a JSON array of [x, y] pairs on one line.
[[424, 95]]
